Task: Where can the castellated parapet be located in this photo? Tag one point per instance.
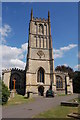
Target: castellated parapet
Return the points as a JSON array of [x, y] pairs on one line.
[[60, 72], [14, 69], [6, 70], [40, 20]]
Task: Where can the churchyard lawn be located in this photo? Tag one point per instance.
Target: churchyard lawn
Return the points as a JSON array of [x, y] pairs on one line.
[[58, 112], [18, 99]]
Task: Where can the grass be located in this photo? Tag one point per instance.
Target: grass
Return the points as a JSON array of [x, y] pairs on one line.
[[79, 109], [62, 94], [18, 99], [58, 112], [79, 100]]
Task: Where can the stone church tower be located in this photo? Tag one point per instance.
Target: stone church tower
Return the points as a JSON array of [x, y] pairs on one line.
[[39, 74], [40, 62]]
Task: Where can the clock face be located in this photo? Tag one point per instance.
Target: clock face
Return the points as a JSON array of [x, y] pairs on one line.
[[40, 53]]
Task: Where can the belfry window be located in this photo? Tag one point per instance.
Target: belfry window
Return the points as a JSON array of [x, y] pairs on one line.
[[41, 28], [40, 77], [59, 82]]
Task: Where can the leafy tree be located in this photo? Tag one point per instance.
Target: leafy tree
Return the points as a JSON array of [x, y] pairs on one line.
[[76, 82], [5, 93], [67, 69]]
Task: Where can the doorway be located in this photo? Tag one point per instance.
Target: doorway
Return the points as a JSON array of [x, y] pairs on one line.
[[41, 90]]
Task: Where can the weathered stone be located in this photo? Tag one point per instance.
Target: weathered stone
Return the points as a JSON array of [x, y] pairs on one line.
[[40, 54], [39, 71]]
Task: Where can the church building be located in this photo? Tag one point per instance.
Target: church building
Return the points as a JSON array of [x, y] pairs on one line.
[[40, 61], [39, 72]]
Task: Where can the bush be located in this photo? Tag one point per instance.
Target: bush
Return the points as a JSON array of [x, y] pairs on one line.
[[5, 93], [76, 82], [67, 69]]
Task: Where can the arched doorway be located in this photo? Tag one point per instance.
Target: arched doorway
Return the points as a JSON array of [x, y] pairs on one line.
[[40, 77], [41, 90]]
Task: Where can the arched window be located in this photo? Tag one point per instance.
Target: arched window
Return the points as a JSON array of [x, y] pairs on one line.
[[19, 83], [40, 77], [59, 82], [40, 28]]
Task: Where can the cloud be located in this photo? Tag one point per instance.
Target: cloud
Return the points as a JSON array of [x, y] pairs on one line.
[[58, 53], [24, 46], [77, 66], [68, 47], [13, 57], [65, 65], [17, 63], [4, 31]]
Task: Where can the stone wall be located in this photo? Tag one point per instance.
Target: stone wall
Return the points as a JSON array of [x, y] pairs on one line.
[[40, 54], [19, 75], [6, 77], [67, 83]]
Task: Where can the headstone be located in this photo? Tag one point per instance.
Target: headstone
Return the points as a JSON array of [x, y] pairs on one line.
[[12, 94]]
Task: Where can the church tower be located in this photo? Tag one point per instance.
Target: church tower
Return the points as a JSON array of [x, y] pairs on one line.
[[40, 62]]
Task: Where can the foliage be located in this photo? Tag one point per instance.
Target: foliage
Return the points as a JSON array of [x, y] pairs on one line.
[[67, 69], [76, 82], [5, 93]]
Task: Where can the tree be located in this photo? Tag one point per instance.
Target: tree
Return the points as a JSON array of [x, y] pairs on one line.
[[67, 69], [76, 82], [5, 93]]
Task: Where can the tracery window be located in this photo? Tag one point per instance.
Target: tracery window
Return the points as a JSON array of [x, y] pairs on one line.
[[40, 75], [41, 28], [59, 82]]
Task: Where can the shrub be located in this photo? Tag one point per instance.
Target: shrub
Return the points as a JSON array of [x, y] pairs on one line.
[[76, 82], [5, 93]]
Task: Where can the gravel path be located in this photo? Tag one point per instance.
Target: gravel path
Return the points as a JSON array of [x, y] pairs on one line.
[[40, 104]]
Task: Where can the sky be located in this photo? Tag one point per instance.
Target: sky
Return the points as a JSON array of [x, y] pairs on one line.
[[64, 31]]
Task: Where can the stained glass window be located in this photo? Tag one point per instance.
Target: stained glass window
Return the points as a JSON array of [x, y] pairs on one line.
[[40, 75], [59, 82]]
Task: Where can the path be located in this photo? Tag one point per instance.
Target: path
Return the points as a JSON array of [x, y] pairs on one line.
[[39, 105]]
